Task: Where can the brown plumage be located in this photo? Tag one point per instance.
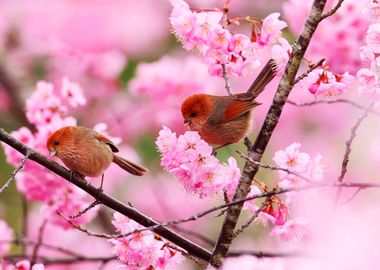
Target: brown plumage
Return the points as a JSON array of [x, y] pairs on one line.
[[87, 152], [223, 120]]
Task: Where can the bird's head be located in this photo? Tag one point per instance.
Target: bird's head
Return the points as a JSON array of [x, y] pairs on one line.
[[196, 109], [57, 141]]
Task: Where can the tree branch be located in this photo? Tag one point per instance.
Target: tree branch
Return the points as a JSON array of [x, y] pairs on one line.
[[311, 68], [250, 169], [346, 157], [192, 248], [332, 11], [14, 173], [339, 100]]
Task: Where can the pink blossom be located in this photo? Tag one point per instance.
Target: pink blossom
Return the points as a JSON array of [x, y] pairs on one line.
[[291, 158], [323, 83], [280, 53], [25, 265], [190, 160], [72, 92], [271, 29], [293, 230], [304, 167], [25, 136], [43, 106], [142, 250], [372, 11], [203, 32], [373, 37], [6, 234], [69, 202]]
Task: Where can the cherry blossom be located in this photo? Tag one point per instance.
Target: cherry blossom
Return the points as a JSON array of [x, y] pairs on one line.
[[292, 230], [190, 160], [204, 32], [142, 250]]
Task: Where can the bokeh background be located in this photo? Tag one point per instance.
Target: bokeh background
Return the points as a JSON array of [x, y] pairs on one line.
[[134, 75]]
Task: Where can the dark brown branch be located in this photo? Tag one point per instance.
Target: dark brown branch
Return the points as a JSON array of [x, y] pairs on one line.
[[286, 85], [132, 213], [14, 173], [340, 100], [311, 68], [254, 216], [332, 11]]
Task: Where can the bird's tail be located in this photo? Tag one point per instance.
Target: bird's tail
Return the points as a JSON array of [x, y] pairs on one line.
[[266, 75], [129, 166]]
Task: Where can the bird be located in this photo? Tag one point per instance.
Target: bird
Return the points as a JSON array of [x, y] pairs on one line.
[[224, 120], [88, 153]]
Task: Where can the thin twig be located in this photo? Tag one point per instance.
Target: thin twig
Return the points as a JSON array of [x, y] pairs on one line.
[[224, 68], [86, 231], [340, 100], [311, 68], [271, 193], [264, 254], [352, 196], [332, 11], [195, 234], [255, 215], [273, 168], [81, 212], [346, 157], [13, 174], [39, 242]]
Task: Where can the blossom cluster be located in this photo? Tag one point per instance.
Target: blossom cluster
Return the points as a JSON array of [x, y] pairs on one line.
[[25, 265], [369, 76], [142, 250], [47, 109], [323, 83], [338, 38], [295, 169], [190, 160], [300, 165], [205, 32]]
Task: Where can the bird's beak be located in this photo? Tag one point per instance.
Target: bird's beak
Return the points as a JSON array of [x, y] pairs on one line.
[[53, 153], [187, 122]]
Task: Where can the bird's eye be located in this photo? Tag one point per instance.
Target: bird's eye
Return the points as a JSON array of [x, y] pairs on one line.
[[193, 114], [56, 142]]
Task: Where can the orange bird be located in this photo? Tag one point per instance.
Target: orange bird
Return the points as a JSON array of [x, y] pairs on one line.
[[87, 152], [224, 120]]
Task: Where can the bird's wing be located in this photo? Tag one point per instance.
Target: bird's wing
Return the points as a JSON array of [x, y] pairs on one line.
[[238, 107], [107, 141]]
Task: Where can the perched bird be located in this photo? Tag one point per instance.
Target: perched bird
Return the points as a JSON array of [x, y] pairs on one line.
[[87, 152], [224, 120]]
